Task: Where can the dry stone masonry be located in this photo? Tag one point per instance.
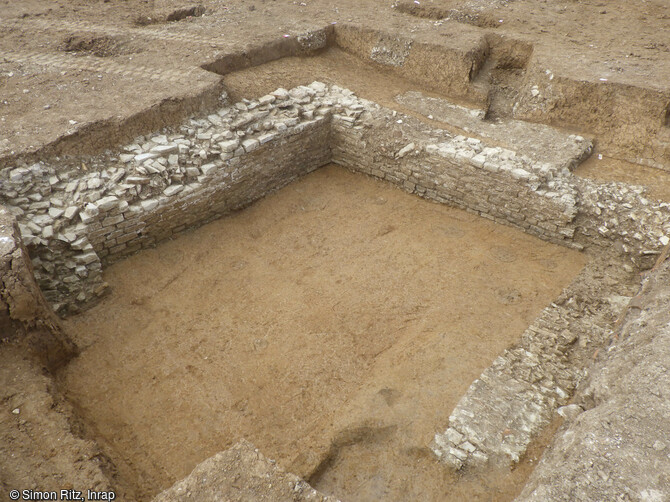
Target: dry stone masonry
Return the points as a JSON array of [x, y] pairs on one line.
[[519, 394], [75, 219], [77, 216], [621, 415], [26, 319]]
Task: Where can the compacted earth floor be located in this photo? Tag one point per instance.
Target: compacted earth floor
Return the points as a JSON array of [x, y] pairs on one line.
[[334, 324]]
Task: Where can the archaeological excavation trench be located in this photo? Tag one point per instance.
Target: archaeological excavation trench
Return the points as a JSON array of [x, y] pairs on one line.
[[393, 299]]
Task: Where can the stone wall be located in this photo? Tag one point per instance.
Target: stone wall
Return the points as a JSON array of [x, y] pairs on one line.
[[542, 198], [76, 219], [26, 318], [517, 396], [464, 172], [75, 216], [614, 443]]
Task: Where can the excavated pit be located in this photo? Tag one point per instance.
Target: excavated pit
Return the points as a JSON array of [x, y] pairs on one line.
[[337, 323], [338, 304]]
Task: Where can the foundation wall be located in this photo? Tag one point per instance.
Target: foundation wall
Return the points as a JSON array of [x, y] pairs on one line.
[[464, 173], [618, 422], [229, 185], [25, 317], [542, 198], [76, 218]]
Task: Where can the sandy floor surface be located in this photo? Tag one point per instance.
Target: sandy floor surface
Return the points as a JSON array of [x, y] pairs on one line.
[[338, 316]]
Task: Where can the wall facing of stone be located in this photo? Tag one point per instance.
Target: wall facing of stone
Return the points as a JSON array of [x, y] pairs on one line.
[[75, 219], [614, 443], [26, 318]]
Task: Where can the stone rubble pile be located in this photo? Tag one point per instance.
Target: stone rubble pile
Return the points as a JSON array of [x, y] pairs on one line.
[[620, 215]]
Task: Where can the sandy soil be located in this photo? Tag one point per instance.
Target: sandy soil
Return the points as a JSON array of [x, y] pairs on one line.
[[129, 66], [191, 351], [338, 311], [335, 66]]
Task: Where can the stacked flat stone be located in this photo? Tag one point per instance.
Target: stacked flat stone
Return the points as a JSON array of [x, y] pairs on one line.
[[517, 396], [75, 219]]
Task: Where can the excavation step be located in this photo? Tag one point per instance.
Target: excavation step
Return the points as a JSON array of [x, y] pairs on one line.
[[539, 142]]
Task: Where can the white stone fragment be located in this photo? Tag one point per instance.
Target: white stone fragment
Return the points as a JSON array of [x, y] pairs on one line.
[[250, 145], [264, 138], [570, 412], [229, 146], [453, 435], [55, 212], [280, 93], [478, 160], [94, 183], [87, 258], [267, 99], [405, 150], [149, 204], [208, 169], [71, 212], [173, 190], [318, 86], [520, 174], [458, 453], [145, 156], [107, 203], [165, 149]]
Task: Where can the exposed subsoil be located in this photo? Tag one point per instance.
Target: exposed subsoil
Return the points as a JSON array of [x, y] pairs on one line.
[[40, 439], [46, 99], [335, 323], [335, 66], [241, 328]]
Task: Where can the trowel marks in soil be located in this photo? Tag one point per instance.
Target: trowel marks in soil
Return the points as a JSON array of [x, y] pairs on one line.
[[335, 302]]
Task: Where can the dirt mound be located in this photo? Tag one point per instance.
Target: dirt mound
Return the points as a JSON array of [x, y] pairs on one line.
[[100, 46]]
